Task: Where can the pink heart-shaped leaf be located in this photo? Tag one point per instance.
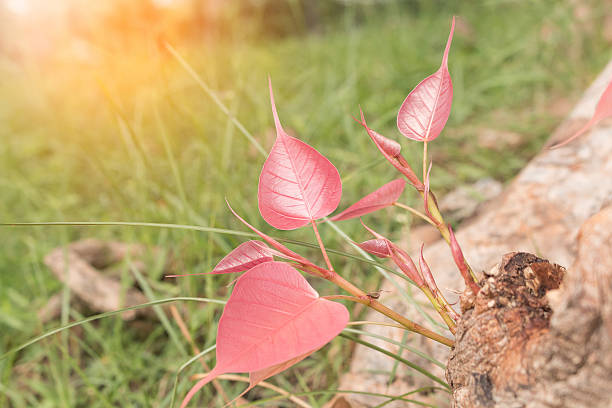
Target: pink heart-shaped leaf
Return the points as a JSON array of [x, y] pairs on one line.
[[386, 151], [385, 196], [244, 257], [273, 316], [426, 272], [459, 259], [425, 110], [297, 184], [390, 147], [602, 111], [399, 257], [378, 247], [283, 251], [258, 376]]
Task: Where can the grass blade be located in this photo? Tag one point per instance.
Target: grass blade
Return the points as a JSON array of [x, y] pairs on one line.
[[184, 366], [397, 343], [106, 314], [396, 357], [215, 98]]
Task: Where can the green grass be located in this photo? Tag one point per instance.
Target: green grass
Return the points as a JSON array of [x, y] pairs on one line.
[[135, 138]]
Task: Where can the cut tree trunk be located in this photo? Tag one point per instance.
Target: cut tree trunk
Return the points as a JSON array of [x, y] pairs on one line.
[[532, 339], [522, 342]]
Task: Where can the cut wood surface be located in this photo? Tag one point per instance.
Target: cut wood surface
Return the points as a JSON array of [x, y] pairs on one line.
[[541, 212]]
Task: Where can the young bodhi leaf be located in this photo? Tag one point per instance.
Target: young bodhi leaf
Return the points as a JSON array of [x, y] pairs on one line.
[[297, 184], [386, 151], [378, 247], [425, 110], [602, 111], [272, 318], [283, 251], [385, 196], [258, 376], [390, 147], [242, 258], [398, 255]]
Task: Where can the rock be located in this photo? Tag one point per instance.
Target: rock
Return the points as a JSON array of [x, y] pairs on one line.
[[463, 202], [497, 139], [81, 265]]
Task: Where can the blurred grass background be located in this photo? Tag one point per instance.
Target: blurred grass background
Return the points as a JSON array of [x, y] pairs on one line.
[[98, 122]]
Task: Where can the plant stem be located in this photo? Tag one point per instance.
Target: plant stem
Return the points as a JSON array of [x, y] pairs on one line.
[[316, 231], [263, 384], [364, 322], [432, 207], [415, 212], [363, 301], [440, 308], [424, 160], [196, 351], [409, 173], [393, 315]]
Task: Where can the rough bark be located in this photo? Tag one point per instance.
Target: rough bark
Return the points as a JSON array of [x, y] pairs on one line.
[[525, 342], [540, 212]]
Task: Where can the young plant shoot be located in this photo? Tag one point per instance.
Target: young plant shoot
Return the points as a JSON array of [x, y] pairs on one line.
[[274, 318]]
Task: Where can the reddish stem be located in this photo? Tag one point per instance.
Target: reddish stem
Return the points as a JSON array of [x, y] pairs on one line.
[[323, 251]]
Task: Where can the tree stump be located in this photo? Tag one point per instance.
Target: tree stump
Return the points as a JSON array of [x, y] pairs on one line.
[[564, 343], [531, 339]]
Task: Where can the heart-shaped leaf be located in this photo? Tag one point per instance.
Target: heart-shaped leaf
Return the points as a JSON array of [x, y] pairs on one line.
[[459, 259], [386, 151], [385, 196], [425, 110], [273, 316], [242, 258], [283, 251], [399, 257], [426, 272], [297, 184], [258, 376], [390, 147], [602, 111], [378, 247]]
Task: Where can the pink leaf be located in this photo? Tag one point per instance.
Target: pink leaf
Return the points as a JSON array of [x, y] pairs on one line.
[[283, 251], [379, 247], [371, 231], [297, 184], [405, 169], [459, 259], [405, 263], [425, 110], [244, 257], [426, 273], [399, 257], [258, 376], [385, 196], [280, 247], [273, 316], [602, 111], [391, 147]]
